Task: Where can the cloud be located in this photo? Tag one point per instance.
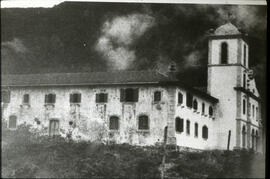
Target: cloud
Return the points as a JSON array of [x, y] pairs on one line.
[[117, 37], [192, 60]]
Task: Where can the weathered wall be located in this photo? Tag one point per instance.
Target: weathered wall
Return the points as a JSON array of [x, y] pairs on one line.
[[91, 119]]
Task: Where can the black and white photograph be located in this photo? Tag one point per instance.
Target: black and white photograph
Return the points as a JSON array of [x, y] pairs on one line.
[[133, 89]]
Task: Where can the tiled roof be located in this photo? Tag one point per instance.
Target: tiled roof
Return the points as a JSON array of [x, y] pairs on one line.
[[93, 78], [227, 29]]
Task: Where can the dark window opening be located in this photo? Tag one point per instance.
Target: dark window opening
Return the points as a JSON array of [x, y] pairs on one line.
[[5, 96], [244, 80], [188, 127], [224, 53], [12, 122], [75, 98], [54, 128], [180, 98], [245, 54], [244, 106], [203, 108], [252, 139], [243, 136], [157, 96], [196, 130], [189, 100], [179, 124], [195, 104], [114, 123], [210, 111], [129, 95], [50, 98], [257, 140], [205, 132], [101, 98], [26, 98], [143, 122]]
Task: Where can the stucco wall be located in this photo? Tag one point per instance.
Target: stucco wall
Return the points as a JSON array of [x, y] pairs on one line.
[[91, 118]]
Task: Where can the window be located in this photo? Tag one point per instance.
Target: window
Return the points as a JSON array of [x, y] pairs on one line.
[[5, 96], [195, 104], [143, 122], [210, 111], [257, 140], [205, 132], [12, 122], [180, 98], [245, 54], [244, 80], [257, 113], [244, 136], [252, 139], [54, 127], [224, 53], [253, 110], [50, 98], [203, 108], [189, 100], [129, 95], [101, 98], [244, 106], [188, 127], [157, 96], [179, 124], [26, 99], [114, 123], [196, 130], [75, 98]]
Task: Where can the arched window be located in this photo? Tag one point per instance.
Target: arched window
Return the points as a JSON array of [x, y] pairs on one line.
[[244, 136], [224, 53], [244, 106], [244, 80], [253, 110], [196, 129], [179, 124], [203, 108], [257, 140], [143, 122], [180, 98], [50, 98], [195, 104], [210, 111], [252, 139], [114, 123], [12, 122], [188, 127], [157, 96], [54, 127], [245, 54], [205, 132], [26, 98]]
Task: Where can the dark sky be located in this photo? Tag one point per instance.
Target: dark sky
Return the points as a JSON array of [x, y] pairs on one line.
[[81, 37]]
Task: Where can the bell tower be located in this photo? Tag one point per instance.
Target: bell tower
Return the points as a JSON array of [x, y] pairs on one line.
[[227, 70]]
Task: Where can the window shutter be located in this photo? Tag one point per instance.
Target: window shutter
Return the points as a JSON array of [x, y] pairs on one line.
[[46, 98], [71, 98], [105, 97], [122, 95], [79, 97], [97, 98], [136, 95]]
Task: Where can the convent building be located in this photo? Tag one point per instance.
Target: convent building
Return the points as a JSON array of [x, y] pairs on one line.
[[135, 106]]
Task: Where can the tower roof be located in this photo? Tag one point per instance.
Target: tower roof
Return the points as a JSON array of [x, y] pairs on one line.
[[227, 29]]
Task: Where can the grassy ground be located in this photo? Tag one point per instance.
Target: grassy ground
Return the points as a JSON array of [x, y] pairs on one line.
[[26, 154]]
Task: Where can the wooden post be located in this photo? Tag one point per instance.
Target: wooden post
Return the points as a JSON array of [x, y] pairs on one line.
[[229, 138], [164, 154]]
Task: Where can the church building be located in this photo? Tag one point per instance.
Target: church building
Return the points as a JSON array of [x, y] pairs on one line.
[[135, 107]]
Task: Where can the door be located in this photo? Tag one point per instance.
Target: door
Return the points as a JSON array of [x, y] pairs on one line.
[[54, 127]]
